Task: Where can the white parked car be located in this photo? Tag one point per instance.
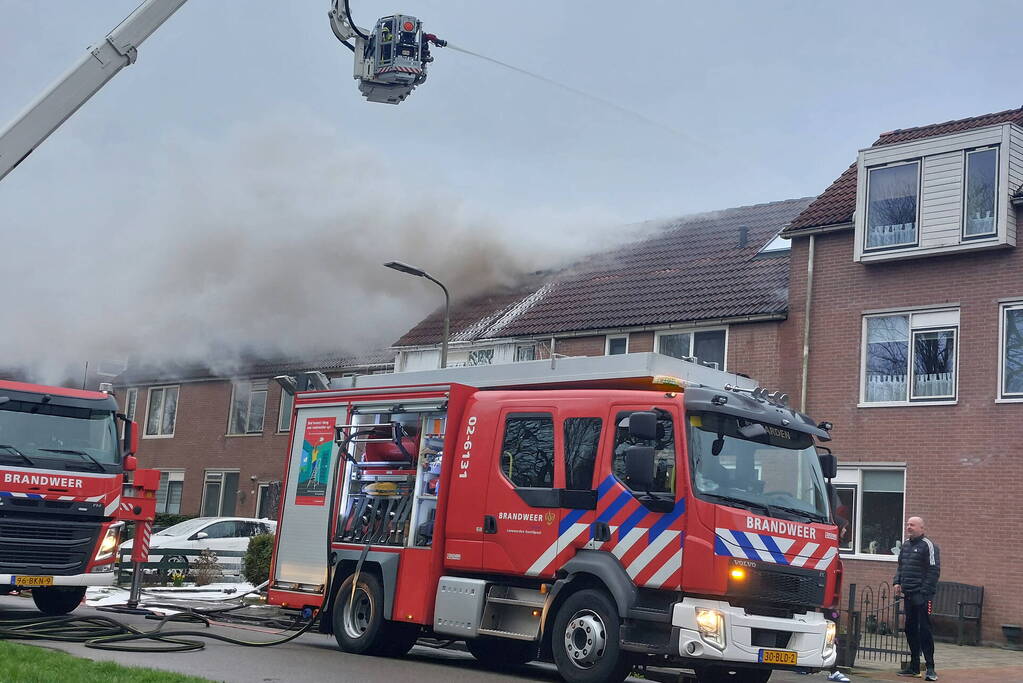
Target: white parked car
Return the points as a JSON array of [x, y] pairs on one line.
[[215, 533]]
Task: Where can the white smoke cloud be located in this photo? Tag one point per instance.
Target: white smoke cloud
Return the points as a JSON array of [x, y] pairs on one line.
[[269, 241]]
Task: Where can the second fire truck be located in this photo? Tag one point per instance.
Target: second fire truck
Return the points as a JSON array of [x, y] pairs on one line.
[[601, 512]]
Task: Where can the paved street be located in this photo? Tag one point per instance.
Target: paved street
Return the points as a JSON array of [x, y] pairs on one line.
[[311, 658]]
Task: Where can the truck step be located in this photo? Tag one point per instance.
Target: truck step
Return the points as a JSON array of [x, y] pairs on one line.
[[512, 601], [506, 634], [650, 614]]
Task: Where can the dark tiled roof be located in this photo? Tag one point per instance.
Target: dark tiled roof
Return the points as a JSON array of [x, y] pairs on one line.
[[253, 367], [691, 269], [836, 204]]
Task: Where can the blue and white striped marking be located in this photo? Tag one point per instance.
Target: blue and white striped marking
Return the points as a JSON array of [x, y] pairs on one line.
[[768, 548]]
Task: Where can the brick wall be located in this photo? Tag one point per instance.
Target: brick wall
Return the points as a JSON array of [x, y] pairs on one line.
[[962, 461], [200, 442]]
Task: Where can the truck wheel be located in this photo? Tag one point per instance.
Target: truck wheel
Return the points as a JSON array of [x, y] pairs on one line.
[[723, 674], [502, 653], [58, 600], [359, 622], [584, 640]]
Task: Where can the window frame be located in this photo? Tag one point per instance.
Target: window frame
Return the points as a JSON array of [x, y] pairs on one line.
[[615, 337], [262, 490], [220, 506], [519, 348], [853, 477], [1003, 316], [253, 389], [284, 425], [149, 402], [953, 399], [131, 402], [855, 515], [966, 187], [692, 332], [173, 476], [866, 218], [542, 413]]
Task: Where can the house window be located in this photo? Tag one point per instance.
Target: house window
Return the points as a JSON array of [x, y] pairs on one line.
[[168, 496], [284, 416], [220, 493], [892, 200], [131, 400], [162, 411], [617, 345], [480, 357], [267, 500], [525, 352], [910, 357], [778, 245], [527, 451], [1011, 366], [707, 346], [981, 184], [873, 502], [248, 405]]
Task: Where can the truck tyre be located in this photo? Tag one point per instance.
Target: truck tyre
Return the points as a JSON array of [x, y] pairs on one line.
[[723, 674], [584, 639], [359, 621], [502, 653], [58, 600]]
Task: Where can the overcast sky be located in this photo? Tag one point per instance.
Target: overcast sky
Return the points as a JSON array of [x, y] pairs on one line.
[[243, 114]]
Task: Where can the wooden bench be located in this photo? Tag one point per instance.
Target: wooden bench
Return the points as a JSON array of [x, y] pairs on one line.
[[959, 601]]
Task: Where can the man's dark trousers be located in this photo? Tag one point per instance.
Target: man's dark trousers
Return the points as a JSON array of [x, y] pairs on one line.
[[918, 628]]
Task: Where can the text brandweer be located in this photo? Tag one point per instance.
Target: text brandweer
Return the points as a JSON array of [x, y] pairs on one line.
[[43, 480]]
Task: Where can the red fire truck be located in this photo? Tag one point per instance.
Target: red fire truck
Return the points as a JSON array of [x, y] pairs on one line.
[[603, 512], [64, 498]]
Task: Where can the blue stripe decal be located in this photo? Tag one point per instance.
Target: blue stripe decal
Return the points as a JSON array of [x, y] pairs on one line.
[[632, 520], [773, 548], [568, 520], [623, 498], [605, 486], [5, 494], [745, 545], [667, 520], [720, 548]]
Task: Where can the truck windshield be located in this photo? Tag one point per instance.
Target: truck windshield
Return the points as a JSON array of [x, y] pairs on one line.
[[768, 469], [45, 432]]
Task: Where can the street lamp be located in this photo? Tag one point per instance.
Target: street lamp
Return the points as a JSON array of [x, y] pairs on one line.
[[419, 272]]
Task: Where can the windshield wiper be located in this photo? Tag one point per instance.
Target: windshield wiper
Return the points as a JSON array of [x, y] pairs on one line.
[[73, 452], [18, 453], [752, 506], [805, 513]]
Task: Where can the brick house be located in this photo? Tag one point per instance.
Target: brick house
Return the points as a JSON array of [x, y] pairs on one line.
[[712, 285], [915, 347], [219, 439]]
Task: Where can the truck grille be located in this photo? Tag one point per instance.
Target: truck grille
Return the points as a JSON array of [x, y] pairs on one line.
[[31, 547], [778, 584]]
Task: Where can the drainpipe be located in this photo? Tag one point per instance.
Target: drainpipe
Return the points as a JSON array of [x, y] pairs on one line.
[[806, 325]]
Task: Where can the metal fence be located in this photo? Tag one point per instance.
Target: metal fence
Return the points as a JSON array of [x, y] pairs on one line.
[[177, 559], [873, 621]]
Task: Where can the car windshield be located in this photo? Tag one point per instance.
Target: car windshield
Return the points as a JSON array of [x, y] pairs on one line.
[[188, 527], [764, 468], [46, 431]]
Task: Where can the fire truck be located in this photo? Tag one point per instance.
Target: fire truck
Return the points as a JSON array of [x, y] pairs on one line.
[[68, 485], [604, 513]]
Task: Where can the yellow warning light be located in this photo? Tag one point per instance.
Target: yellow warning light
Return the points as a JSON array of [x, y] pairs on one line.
[[544, 587], [737, 574], [670, 381], [696, 420], [536, 613]]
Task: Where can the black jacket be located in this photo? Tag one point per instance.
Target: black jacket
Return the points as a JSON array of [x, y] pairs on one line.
[[919, 567]]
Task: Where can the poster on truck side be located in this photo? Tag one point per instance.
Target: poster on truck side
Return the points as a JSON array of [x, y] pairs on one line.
[[317, 456]]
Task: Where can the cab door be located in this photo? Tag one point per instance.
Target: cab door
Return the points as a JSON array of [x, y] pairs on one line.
[[523, 508], [643, 529]]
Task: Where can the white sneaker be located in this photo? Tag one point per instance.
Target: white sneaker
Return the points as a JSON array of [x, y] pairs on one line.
[[838, 676]]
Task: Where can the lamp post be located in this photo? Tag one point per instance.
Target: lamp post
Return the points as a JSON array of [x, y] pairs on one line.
[[419, 272]]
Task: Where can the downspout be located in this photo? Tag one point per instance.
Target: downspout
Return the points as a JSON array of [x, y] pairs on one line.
[[806, 325]]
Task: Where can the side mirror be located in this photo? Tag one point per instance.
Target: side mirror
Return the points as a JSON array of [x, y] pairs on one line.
[[201, 535], [131, 438], [130, 463], [829, 465], [643, 425], [639, 467]]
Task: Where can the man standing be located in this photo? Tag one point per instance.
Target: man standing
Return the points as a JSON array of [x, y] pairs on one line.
[[916, 580]]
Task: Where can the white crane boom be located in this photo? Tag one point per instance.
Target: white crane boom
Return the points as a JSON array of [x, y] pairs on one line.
[[100, 63]]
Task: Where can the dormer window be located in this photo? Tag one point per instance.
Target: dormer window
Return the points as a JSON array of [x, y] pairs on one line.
[[981, 185], [892, 202]]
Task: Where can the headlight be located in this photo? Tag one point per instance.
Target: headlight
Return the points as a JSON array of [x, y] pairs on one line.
[[711, 624], [829, 636], [109, 544]]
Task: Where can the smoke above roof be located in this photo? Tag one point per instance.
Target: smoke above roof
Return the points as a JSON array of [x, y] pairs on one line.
[[269, 242]]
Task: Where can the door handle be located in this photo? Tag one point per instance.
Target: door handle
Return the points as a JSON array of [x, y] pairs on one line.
[[601, 532], [489, 524]]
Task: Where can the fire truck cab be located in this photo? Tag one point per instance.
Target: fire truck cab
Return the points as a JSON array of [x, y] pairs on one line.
[[604, 513]]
